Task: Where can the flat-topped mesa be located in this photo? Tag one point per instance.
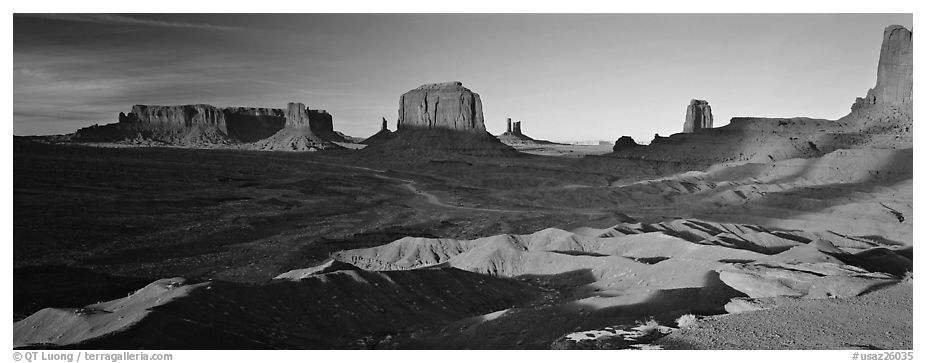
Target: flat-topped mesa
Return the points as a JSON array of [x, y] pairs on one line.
[[170, 123], [254, 111], [150, 116], [201, 124], [446, 105], [191, 115], [895, 70], [698, 116]]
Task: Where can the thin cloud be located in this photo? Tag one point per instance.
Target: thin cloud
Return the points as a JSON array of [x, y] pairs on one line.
[[310, 92], [122, 19]]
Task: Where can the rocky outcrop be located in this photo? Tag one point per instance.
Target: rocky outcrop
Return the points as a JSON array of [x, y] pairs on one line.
[[882, 120], [296, 115], [186, 116], [248, 124], [884, 116], [151, 117], [438, 118], [188, 125], [698, 116], [640, 336], [381, 136], [306, 130], [294, 139], [624, 143], [812, 280], [295, 128], [318, 121], [515, 137], [895, 69], [446, 105]]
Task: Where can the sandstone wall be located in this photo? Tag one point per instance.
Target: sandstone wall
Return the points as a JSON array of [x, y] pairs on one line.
[[250, 124], [446, 105], [174, 116], [698, 116], [895, 70], [298, 116], [895, 67]]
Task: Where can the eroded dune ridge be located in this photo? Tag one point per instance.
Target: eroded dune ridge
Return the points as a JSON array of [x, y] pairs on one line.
[[762, 234], [506, 291]]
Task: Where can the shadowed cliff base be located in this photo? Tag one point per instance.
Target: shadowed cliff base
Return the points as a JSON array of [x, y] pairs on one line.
[[437, 141]]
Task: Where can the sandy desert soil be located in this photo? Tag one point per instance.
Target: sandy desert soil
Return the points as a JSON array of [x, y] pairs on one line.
[[881, 320], [555, 149], [114, 219], [591, 243]]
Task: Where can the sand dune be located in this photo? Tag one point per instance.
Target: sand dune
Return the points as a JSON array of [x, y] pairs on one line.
[[326, 310]]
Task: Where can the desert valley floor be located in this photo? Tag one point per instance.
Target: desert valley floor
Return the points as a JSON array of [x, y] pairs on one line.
[[562, 245]]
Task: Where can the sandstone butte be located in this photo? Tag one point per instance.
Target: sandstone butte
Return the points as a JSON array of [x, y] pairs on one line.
[[882, 119], [446, 105], [441, 117], [698, 116]]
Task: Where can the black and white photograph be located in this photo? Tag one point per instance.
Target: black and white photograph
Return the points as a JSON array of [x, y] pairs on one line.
[[445, 180]]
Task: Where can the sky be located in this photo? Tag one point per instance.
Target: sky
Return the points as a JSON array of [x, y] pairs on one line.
[[566, 77]]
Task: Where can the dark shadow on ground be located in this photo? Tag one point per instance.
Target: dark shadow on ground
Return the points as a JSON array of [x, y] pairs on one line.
[[38, 287]]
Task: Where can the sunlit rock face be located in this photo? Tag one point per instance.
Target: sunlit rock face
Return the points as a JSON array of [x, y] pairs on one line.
[[438, 119], [174, 116], [895, 69], [297, 115], [698, 116], [206, 124], [152, 116], [883, 120], [886, 112], [243, 124], [446, 105]]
